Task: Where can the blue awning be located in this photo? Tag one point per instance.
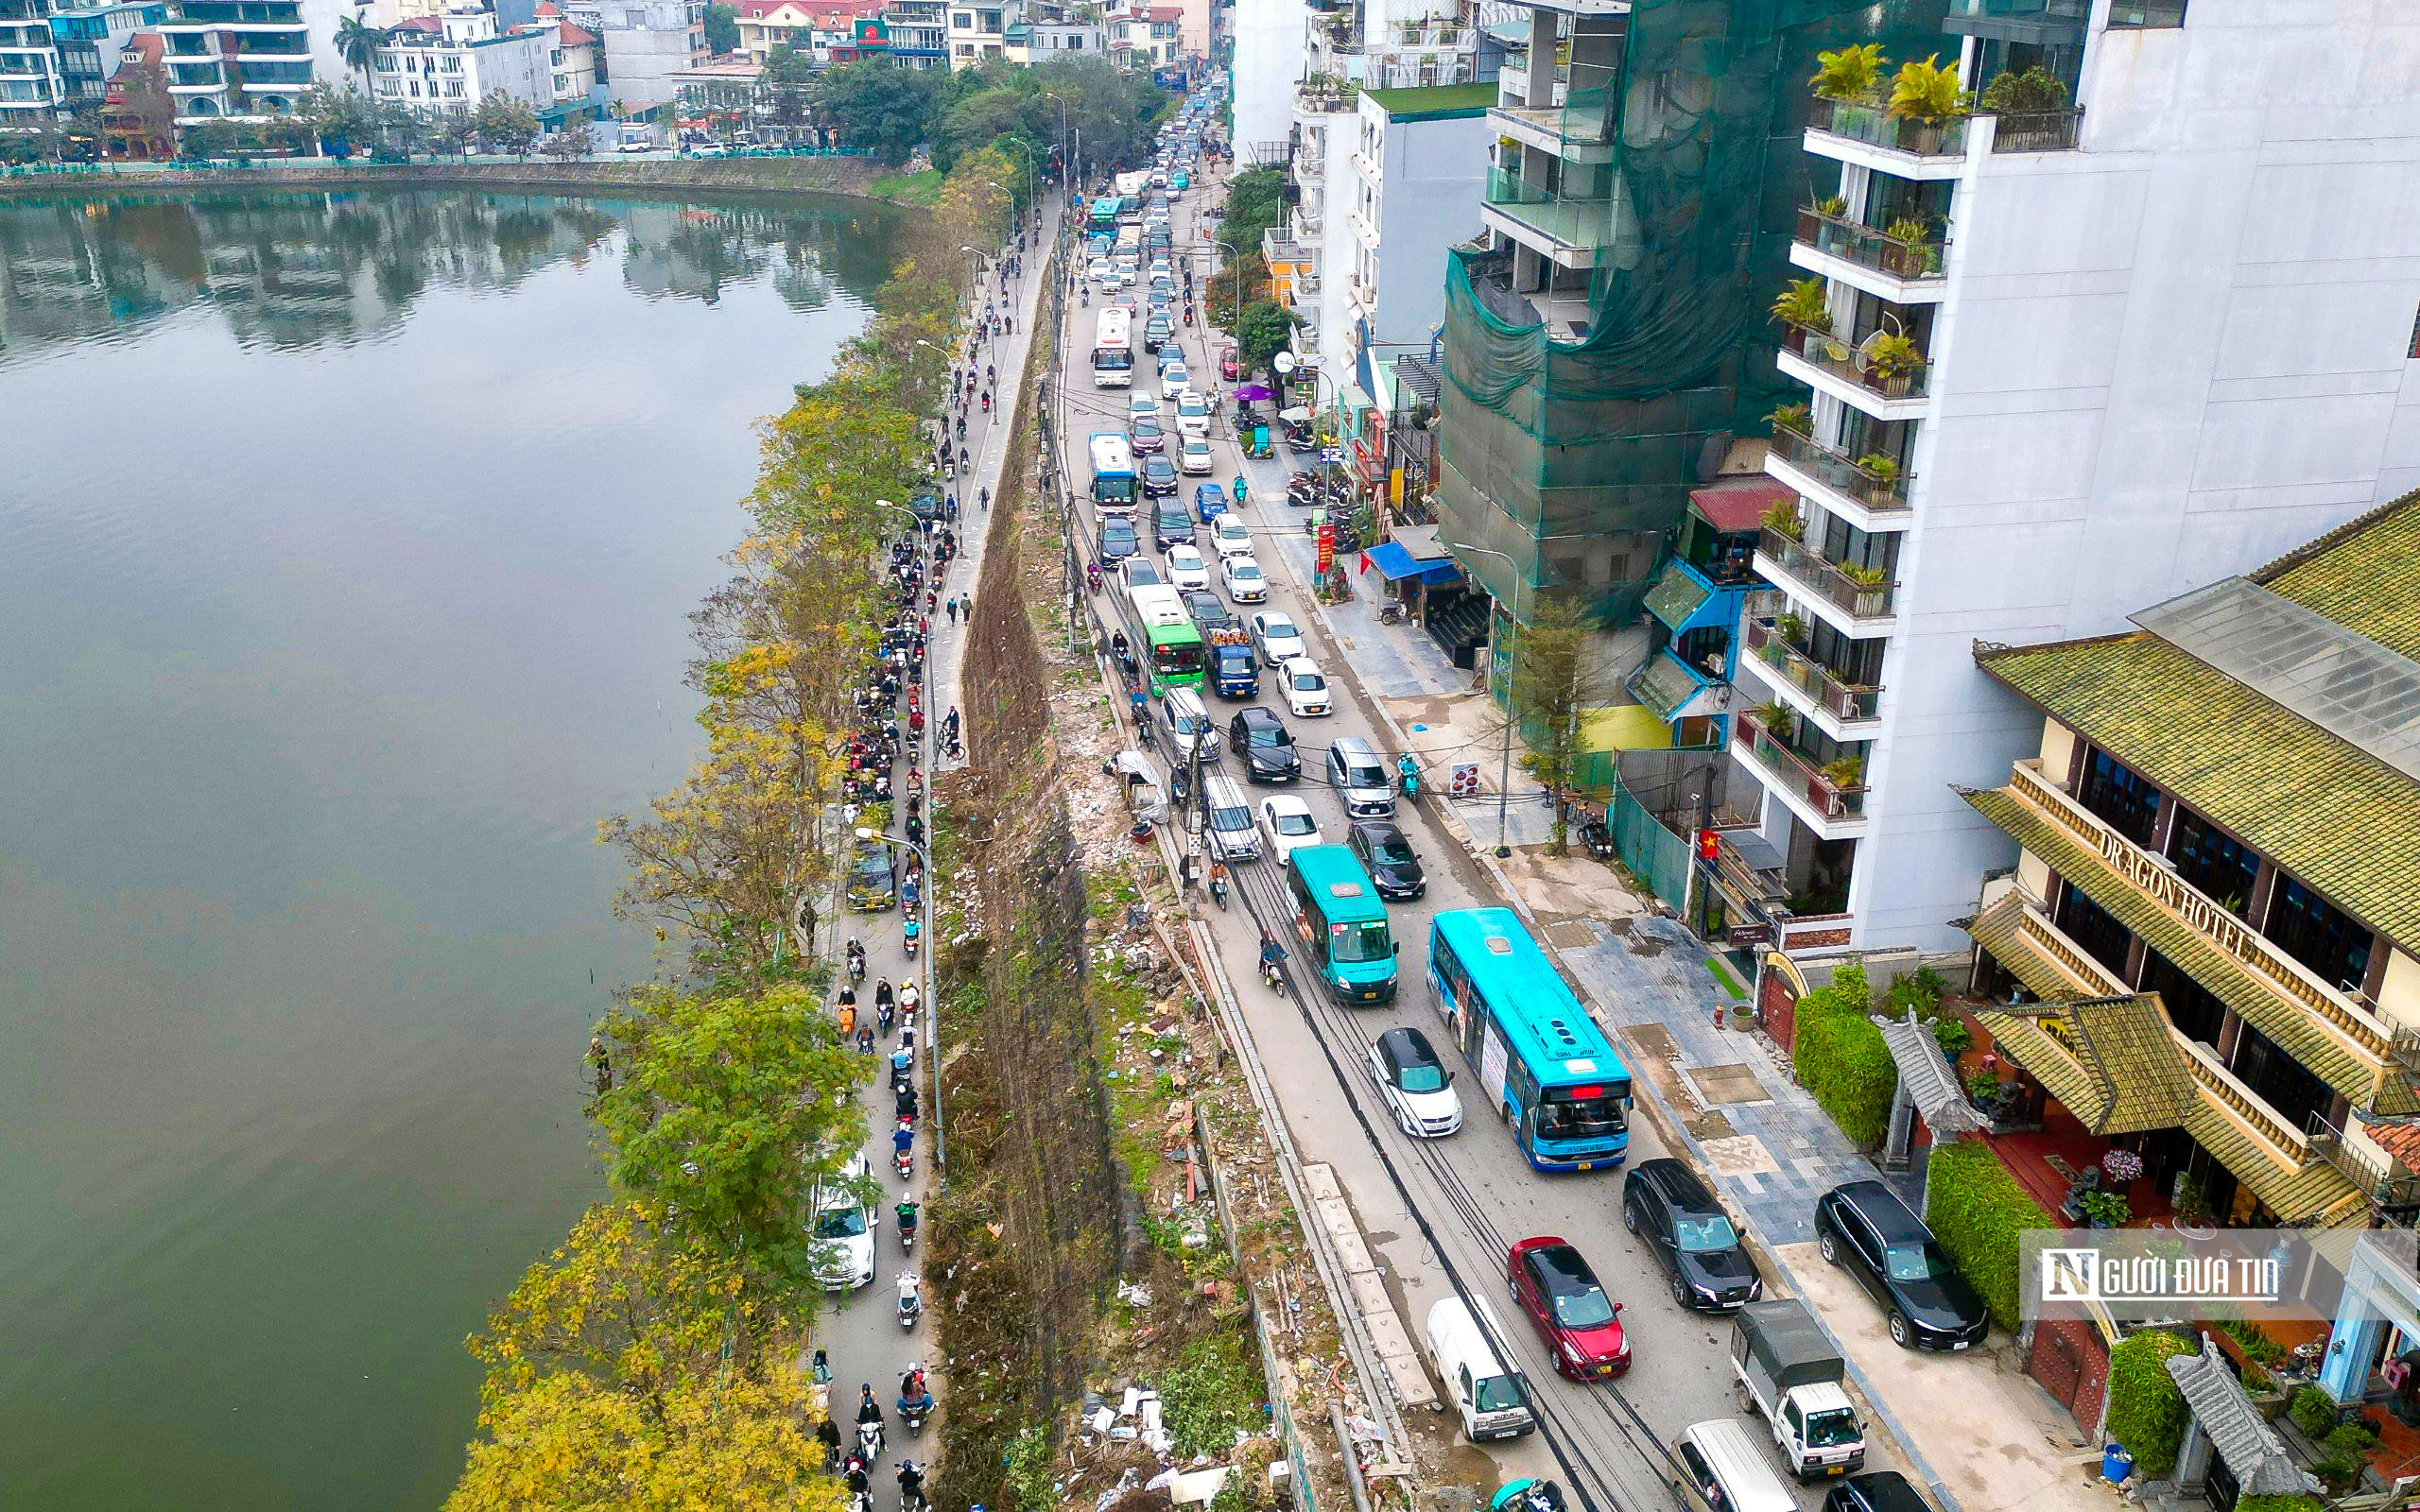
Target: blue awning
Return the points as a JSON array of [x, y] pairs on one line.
[[1394, 563]]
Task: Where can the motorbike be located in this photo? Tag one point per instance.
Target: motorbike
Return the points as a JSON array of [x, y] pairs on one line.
[[904, 1158], [912, 1301], [1598, 839], [914, 1412], [1391, 613], [870, 1441], [908, 938], [882, 1020], [1409, 770], [856, 964], [1091, 576], [1218, 888], [907, 1226], [902, 1075]]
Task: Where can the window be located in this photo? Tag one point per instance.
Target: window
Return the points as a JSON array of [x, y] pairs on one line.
[[2318, 934], [2214, 861], [2095, 928], [2279, 1080], [2145, 14], [2129, 803]]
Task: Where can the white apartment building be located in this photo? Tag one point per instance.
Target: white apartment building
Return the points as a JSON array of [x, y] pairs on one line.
[[237, 60], [1268, 64], [919, 33], [445, 65], [979, 29], [646, 44], [2154, 342], [1049, 39], [30, 85]]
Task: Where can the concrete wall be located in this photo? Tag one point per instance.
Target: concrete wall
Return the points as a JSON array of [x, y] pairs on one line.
[[519, 66], [1428, 200], [639, 65], [2166, 359], [1268, 60]]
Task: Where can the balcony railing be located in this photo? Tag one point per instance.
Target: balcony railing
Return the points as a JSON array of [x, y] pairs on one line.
[[1577, 221], [1843, 700], [1864, 601], [1876, 127], [2386, 1182], [1909, 262], [1840, 359], [1834, 470], [1834, 800], [2241, 1100], [2039, 131]]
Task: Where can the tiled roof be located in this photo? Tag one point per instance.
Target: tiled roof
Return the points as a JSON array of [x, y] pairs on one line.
[[2326, 1056], [1927, 1076], [2113, 1062], [571, 36], [1738, 505], [2360, 576], [2316, 1194], [1676, 596], [1663, 685], [2250, 1447], [2001, 929], [2331, 815]]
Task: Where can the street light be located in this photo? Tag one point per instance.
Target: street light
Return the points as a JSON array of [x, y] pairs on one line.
[[924, 970]]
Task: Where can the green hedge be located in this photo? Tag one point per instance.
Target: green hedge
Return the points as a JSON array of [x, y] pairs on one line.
[[2280, 1503], [2146, 1412], [1976, 1210], [1840, 1058]]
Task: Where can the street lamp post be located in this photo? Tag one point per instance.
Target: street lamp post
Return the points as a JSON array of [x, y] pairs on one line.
[[924, 972]]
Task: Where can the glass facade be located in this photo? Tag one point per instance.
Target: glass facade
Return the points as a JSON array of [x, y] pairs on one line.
[[2125, 801], [2318, 934]]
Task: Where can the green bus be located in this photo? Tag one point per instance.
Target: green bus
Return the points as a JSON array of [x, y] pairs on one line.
[[1342, 924], [1164, 637]]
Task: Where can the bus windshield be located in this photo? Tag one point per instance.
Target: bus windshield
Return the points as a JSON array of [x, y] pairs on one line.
[[1566, 1115], [1113, 360], [1352, 944]]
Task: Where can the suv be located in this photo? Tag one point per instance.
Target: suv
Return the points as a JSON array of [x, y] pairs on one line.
[[1360, 779], [1171, 523], [1690, 1236], [1864, 1228], [1268, 749]]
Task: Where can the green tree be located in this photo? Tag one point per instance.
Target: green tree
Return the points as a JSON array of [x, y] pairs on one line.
[[1261, 331], [722, 28], [1256, 203], [572, 141], [504, 122], [358, 44], [885, 109], [1557, 675], [346, 114], [209, 138], [728, 1108]]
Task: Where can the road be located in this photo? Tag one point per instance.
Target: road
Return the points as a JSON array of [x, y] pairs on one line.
[[1440, 1215], [861, 1333]]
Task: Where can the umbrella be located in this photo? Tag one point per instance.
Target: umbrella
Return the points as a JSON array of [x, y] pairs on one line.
[[1253, 393]]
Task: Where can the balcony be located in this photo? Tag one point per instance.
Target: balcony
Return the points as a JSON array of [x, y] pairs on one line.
[[1850, 376], [1868, 499], [1845, 710], [1278, 246], [1581, 129], [1570, 230], [1873, 137], [1903, 270], [1835, 809], [2038, 132], [2382, 1177], [1858, 607]]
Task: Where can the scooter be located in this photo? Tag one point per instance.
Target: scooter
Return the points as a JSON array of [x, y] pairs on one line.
[[914, 1412], [882, 1020], [856, 964], [911, 1301], [909, 939], [904, 1158], [1598, 839], [870, 1442]]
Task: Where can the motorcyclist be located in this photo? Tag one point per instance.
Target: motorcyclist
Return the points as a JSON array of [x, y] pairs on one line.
[[883, 996], [903, 1139], [912, 1484], [1408, 767], [913, 1391], [905, 1212], [869, 1410]]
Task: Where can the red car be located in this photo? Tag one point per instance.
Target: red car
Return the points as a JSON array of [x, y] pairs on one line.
[[1583, 1326], [1227, 367]]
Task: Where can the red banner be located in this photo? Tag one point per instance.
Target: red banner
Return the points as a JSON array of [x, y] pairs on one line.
[[1327, 548]]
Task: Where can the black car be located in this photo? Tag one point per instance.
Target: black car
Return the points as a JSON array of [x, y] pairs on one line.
[[1864, 1228], [1691, 1237], [1261, 739], [1389, 859], [1117, 539], [1881, 1491], [1156, 332], [1160, 481], [1210, 612], [1171, 525]]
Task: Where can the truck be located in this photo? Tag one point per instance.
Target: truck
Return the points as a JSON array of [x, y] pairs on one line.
[[1787, 1371], [1133, 184], [1234, 671]]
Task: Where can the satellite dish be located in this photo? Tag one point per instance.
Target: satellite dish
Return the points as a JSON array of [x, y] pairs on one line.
[[1283, 362]]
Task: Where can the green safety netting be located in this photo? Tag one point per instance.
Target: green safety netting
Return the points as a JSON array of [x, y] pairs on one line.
[[1568, 458]]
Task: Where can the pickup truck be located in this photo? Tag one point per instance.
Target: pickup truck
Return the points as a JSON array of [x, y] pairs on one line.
[[1789, 1372], [1235, 672]]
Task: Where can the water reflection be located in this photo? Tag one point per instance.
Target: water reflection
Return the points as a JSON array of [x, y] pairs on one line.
[[296, 270]]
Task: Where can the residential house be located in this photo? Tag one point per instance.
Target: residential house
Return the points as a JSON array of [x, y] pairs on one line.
[[445, 65], [2063, 363], [1049, 38], [824, 31], [138, 115], [645, 43], [979, 31], [91, 40], [1144, 37], [237, 59], [917, 33]]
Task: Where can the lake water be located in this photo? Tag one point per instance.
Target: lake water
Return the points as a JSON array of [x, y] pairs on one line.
[[345, 549]]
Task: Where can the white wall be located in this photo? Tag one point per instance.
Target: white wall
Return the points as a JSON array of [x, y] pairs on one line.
[[1435, 173], [2166, 359], [1268, 60]]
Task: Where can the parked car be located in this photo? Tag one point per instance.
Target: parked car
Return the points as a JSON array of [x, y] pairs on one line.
[[1185, 567], [1583, 1326], [1863, 1228], [1265, 744], [1704, 1264], [1290, 824], [841, 1230], [1876, 1492], [1388, 858], [1276, 636], [1306, 685], [1417, 1087], [1244, 580]]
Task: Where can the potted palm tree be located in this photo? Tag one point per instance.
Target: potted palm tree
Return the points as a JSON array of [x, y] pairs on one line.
[[1794, 418], [1782, 519], [1893, 360], [1852, 75], [1925, 98], [1803, 307], [1881, 488]]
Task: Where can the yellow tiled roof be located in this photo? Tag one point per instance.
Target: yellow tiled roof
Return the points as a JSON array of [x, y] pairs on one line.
[[2112, 1062], [2316, 1194], [2361, 575]]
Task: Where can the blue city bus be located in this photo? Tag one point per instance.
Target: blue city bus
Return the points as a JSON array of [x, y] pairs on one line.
[[1545, 1064]]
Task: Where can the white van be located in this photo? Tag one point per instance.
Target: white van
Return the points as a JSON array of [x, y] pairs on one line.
[[1234, 836], [1186, 724], [1717, 1465], [1493, 1398]]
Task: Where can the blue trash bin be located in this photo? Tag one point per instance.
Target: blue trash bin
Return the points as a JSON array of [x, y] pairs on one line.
[[2116, 1464]]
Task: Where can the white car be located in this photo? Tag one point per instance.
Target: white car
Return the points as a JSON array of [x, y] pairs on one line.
[[1279, 641], [843, 1229], [1193, 414], [1099, 268], [1244, 580], [1173, 375], [1138, 572], [1230, 537], [1418, 1089], [1186, 570], [1290, 824], [1306, 688], [1142, 404], [1193, 455]]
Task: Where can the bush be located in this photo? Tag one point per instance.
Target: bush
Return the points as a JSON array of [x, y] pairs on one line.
[[2280, 1503], [2146, 1412], [2313, 1412], [2351, 1441], [1976, 1210], [1840, 1058]]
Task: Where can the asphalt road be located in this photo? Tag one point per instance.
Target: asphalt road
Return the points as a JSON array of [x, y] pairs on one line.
[[1440, 1215]]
